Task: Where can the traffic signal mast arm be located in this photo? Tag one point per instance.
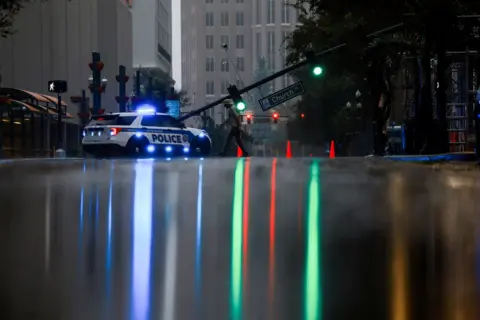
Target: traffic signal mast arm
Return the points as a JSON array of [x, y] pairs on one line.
[[281, 73]]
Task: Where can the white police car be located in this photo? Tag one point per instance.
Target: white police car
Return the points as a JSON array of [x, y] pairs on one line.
[[143, 133]]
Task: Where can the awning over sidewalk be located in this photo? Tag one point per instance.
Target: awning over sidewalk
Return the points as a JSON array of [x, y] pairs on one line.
[[33, 100]]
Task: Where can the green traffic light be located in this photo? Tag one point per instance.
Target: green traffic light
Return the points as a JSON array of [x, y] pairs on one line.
[[241, 106], [317, 71]]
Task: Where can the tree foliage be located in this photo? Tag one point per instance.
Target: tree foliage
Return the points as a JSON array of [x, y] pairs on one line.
[[367, 62], [159, 87], [9, 9]]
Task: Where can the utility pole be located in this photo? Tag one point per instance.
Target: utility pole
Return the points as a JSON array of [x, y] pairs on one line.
[[97, 85], [283, 72]]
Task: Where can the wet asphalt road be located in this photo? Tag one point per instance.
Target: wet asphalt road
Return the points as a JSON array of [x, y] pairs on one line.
[[237, 239]]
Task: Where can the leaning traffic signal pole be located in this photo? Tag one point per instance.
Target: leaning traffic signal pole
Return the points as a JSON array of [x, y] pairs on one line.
[[282, 72]]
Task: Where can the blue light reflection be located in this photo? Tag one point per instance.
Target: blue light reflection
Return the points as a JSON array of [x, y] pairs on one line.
[[198, 252], [142, 239]]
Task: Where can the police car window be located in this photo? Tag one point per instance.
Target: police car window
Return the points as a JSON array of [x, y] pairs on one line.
[[112, 120], [161, 121]]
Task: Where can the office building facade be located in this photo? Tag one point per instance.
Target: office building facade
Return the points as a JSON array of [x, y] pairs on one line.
[[55, 40], [152, 34], [216, 49], [253, 29]]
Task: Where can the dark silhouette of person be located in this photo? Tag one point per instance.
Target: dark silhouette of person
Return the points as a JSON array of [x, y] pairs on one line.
[[235, 128]]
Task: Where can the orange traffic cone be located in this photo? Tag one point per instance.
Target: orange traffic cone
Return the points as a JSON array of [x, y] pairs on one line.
[[332, 150], [289, 149], [239, 152]]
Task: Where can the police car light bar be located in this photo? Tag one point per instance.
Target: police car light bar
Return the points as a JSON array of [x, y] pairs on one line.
[[145, 109]]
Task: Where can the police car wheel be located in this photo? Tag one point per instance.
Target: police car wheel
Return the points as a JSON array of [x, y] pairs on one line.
[[201, 147], [137, 147]]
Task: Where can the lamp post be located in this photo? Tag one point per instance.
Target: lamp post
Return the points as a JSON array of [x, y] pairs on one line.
[[97, 84], [354, 117], [122, 79]]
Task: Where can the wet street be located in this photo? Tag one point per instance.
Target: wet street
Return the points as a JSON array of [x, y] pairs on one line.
[[258, 238]]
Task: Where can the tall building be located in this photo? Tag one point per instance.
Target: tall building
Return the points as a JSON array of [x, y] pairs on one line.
[[152, 34], [216, 49], [273, 21], [55, 40], [252, 29]]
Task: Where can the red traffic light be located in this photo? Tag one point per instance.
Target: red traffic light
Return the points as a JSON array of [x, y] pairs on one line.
[[302, 115], [276, 115], [249, 116]]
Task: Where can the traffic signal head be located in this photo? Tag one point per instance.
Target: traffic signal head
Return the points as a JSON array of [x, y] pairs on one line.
[[249, 118], [275, 117], [302, 115], [317, 71], [237, 98]]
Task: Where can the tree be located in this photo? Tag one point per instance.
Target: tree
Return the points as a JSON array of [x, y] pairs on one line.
[[9, 9], [428, 26], [156, 84], [260, 73]]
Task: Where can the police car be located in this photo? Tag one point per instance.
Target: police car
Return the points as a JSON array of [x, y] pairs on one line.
[[143, 133]]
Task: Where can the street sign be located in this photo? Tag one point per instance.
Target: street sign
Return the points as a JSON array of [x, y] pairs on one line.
[[282, 96], [57, 86]]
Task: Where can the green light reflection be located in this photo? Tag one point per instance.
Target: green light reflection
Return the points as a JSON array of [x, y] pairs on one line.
[[236, 263], [313, 281]]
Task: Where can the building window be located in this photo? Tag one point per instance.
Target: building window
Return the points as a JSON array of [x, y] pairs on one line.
[[240, 41], [224, 87], [225, 41], [286, 12], [271, 12], [259, 12], [284, 47], [209, 42], [210, 87], [224, 21], [210, 65], [259, 45], [272, 87], [225, 65], [240, 63], [240, 21], [271, 50], [209, 19]]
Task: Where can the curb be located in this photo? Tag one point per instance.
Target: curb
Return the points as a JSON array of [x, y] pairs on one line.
[[446, 157], [37, 159]]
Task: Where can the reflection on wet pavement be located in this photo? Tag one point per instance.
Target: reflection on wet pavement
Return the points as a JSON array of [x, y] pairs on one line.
[[237, 239]]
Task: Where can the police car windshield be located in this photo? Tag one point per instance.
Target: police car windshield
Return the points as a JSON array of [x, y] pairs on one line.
[[111, 120], [161, 121]]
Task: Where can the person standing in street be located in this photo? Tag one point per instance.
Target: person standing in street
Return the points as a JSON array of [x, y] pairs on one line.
[[235, 128]]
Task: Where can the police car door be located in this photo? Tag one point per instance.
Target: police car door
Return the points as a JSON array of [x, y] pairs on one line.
[[160, 129]]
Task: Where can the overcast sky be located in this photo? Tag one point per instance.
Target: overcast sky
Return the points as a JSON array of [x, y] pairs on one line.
[[177, 44]]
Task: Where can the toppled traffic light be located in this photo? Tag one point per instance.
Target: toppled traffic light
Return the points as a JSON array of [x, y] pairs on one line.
[[237, 98], [275, 117], [316, 68]]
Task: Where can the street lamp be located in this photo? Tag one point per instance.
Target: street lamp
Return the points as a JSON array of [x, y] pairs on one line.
[[358, 95], [104, 84], [348, 105]]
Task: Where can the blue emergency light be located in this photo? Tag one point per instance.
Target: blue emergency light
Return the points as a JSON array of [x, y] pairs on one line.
[[146, 109]]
